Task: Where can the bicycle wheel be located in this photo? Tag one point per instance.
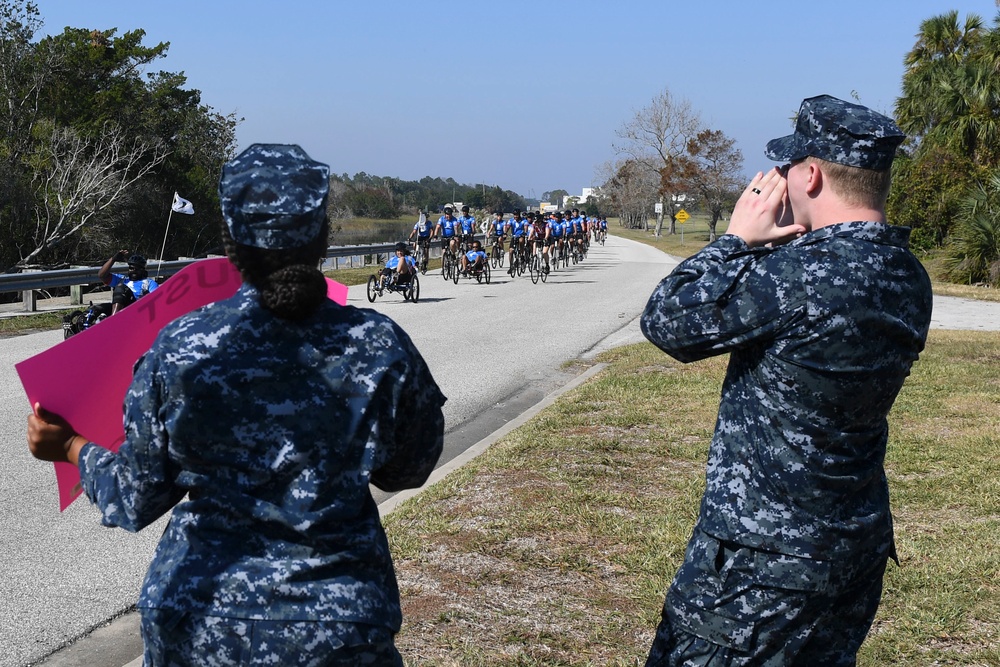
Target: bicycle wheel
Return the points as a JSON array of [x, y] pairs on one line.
[[415, 290], [456, 272], [534, 270], [372, 288]]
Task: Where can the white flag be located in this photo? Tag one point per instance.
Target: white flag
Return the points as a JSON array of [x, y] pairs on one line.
[[182, 205]]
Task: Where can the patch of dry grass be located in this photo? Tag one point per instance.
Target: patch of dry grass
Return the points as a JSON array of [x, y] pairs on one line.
[[555, 547]]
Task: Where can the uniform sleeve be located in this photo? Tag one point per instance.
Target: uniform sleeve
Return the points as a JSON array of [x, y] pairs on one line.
[[725, 297], [418, 427], [133, 487]]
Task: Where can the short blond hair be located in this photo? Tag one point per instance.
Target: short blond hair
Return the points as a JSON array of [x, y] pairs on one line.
[[859, 187]]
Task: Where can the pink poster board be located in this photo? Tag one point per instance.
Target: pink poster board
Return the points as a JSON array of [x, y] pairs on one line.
[[85, 378]]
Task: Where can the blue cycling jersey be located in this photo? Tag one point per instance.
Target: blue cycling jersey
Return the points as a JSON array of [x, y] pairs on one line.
[[518, 227], [473, 255], [424, 228], [468, 224], [393, 262], [447, 226]]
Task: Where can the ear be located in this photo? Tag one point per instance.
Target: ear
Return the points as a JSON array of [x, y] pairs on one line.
[[814, 179]]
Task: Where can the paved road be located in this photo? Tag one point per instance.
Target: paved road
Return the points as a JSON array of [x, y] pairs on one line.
[[494, 349], [63, 574]]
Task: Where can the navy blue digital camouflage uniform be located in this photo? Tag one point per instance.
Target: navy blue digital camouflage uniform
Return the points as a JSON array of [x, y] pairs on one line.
[[273, 429], [786, 560]]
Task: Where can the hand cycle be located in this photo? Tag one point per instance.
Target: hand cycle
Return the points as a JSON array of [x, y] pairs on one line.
[[410, 289]]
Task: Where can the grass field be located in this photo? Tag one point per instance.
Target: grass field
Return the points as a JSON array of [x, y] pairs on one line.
[[555, 547]]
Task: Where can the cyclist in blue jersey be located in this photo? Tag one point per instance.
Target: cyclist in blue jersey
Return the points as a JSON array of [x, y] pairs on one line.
[[401, 265], [518, 234], [557, 234], [474, 259], [467, 226], [127, 287], [447, 230], [423, 230], [497, 230]]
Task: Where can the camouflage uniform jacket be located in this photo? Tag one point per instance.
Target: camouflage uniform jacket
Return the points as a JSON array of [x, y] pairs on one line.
[[821, 334], [273, 429]]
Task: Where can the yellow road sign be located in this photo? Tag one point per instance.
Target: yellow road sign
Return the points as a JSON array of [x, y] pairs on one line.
[[682, 216]]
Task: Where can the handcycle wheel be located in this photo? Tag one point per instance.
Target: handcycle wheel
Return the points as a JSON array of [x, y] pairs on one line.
[[486, 273], [372, 288], [414, 290]]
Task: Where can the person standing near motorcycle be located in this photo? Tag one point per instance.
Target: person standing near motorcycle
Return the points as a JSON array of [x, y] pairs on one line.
[[127, 287]]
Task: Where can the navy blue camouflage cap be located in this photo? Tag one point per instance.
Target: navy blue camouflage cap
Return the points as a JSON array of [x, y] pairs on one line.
[[838, 131], [274, 196]]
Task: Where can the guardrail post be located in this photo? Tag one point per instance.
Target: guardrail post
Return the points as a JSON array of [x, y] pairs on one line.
[[75, 295], [29, 300]]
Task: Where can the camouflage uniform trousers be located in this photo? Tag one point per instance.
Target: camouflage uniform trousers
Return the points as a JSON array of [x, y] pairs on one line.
[[177, 639], [732, 605]]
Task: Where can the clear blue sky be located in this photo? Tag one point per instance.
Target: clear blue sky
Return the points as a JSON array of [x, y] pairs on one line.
[[526, 95]]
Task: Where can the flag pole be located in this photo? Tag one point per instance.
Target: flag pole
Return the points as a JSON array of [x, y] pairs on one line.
[[164, 246]]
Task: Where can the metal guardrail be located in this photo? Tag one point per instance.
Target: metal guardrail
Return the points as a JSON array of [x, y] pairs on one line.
[[28, 282]]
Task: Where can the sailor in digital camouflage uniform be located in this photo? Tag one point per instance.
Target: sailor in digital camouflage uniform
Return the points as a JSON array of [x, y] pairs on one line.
[[823, 310], [273, 427]]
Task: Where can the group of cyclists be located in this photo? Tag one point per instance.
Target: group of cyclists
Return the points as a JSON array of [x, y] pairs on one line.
[[526, 240]]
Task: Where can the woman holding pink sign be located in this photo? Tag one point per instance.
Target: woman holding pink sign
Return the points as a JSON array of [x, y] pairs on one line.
[[260, 420]]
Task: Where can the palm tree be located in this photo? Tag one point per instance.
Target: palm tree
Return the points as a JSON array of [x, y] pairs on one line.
[[974, 246], [938, 77]]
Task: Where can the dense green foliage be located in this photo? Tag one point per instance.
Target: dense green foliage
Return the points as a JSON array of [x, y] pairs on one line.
[[385, 198], [94, 149], [950, 107], [974, 245]]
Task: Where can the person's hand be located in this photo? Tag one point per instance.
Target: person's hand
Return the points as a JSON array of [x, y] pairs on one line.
[[121, 255], [762, 214], [51, 438]]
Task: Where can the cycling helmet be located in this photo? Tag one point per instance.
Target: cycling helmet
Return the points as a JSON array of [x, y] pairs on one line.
[[401, 247], [136, 261]]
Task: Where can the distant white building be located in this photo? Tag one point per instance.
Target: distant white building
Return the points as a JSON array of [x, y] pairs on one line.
[[570, 201]]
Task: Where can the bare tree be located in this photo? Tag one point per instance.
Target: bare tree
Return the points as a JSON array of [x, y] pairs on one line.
[[629, 188], [656, 139], [80, 178]]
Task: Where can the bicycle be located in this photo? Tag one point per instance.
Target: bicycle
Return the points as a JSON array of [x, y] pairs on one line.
[[410, 289], [420, 255], [449, 264], [481, 274], [497, 254], [536, 264]]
